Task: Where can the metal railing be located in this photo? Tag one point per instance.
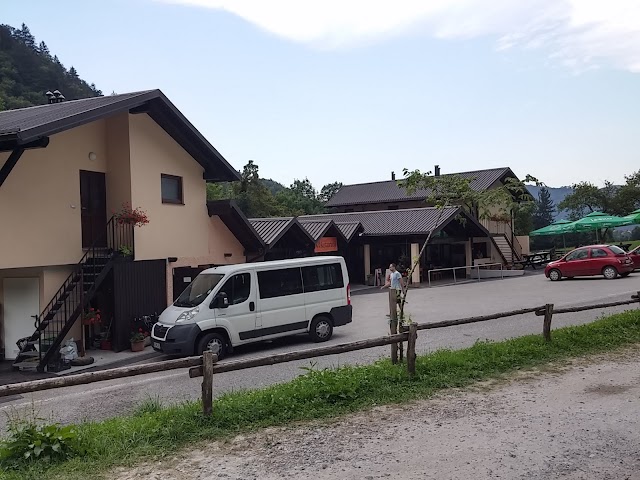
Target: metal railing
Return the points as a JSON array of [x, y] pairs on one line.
[[68, 303], [466, 268]]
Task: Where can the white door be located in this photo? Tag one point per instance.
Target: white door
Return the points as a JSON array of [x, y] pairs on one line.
[[21, 302], [281, 303], [239, 318]]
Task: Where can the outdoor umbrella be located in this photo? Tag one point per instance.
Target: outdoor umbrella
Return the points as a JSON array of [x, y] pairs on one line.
[[633, 218], [597, 220], [559, 227]]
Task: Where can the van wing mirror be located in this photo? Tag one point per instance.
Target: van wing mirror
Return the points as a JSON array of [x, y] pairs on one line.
[[220, 301]]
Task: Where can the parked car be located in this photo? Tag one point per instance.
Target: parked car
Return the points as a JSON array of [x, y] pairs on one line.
[[607, 260], [233, 305], [635, 256]]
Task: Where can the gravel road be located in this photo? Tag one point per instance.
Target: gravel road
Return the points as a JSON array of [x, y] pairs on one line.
[[117, 397], [575, 422]]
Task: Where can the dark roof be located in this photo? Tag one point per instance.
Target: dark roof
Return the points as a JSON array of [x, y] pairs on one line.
[[237, 223], [316, 229], [409, 221], [26, 125], [389, 191], [273, 229], [349, 229]]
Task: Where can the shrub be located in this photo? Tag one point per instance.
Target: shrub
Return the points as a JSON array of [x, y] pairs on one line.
[[29, 442]]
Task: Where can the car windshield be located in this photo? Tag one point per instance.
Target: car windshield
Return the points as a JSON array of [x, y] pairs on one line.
[[617, 250], [198, 290]]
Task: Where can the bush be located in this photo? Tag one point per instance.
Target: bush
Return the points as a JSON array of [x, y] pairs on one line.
[[29, 442]]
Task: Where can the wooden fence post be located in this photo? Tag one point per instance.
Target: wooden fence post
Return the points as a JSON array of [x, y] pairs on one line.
[[208, 359], [393, 323], [546, 327], [411, 349]]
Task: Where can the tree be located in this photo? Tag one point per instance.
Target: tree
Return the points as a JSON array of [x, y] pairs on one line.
[[328, 191], [611, 199], [28, 70], [454, 190], [544, 209], [300, 199], [44, 50]]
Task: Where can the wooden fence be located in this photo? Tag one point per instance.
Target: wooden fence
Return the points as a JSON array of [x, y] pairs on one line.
[[205, 366]]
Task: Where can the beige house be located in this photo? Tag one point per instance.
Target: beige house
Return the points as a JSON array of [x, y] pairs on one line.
[[65, 168]]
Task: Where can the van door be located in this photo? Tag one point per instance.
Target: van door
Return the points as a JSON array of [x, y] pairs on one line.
[[324, 288], [239, 318], [281, 303]]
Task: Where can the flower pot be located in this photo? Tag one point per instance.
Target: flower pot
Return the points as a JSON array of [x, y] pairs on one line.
[[147, 341], [105, 345], [137, 346]]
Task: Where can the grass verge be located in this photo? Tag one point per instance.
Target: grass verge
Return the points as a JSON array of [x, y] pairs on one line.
[[154, 431]]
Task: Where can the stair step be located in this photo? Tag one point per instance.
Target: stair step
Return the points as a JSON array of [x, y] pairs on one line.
[[31, 353]]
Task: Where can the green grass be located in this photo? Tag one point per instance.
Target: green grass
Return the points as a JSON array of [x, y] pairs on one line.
[[153, 431]]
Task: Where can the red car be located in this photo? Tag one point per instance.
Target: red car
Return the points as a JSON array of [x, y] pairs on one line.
[[607, 260], [635, 256]]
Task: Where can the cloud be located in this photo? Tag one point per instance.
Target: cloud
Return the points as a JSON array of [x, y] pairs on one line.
[[580, 34]]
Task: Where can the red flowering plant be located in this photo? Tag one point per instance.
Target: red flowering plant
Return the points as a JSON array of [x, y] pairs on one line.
[[131, 216], [138, 336], [91, 317]]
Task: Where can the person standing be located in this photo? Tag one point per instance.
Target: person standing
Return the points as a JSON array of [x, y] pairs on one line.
[[394, 284]]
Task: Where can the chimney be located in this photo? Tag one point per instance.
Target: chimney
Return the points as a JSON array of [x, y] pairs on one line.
[[436, 171], [393, 175], [55, 97]]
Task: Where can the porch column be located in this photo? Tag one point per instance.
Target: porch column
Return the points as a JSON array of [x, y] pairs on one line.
[[415, 251], [367, 261], [468, 253]]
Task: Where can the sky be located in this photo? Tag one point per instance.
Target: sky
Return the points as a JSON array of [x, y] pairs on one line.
[[352, 90]]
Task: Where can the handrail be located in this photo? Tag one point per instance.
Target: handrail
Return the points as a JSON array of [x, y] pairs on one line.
[[71, 295], [465, 267]]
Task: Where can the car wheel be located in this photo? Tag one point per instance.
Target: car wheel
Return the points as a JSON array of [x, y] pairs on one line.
[[626, 274], [321, 329], [555, 275], [214, 343], [609, 272]]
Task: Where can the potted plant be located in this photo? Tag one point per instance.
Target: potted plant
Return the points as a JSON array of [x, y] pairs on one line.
[[91, 317], [124, 253], [137, 341], [131, 216]]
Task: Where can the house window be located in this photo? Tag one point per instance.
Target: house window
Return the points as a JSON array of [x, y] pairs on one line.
[[171, 187]]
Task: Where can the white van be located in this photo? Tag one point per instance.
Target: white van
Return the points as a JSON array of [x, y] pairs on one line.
[[237, 304]]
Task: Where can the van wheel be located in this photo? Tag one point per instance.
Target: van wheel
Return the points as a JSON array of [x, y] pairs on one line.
[[214, 343], [321, 329]]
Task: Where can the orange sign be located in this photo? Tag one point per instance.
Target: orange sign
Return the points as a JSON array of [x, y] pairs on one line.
[[327, 244]]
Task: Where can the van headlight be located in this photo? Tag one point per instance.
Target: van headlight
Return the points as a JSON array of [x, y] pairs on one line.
[[188, 315]]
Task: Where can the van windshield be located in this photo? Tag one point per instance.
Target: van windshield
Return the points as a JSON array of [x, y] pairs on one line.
[[198, 290]]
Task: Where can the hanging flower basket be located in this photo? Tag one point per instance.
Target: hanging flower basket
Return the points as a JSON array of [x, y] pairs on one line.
[[131, 216]]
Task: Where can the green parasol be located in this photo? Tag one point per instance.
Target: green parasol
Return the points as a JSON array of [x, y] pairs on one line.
[[559, 227], [633, 218], [597, 220]]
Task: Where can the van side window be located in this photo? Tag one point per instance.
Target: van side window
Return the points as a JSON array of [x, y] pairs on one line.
[[279, 283], [322, 277], [237, 288]]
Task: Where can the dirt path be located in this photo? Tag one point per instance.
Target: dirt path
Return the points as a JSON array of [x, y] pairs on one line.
[[578, 422]]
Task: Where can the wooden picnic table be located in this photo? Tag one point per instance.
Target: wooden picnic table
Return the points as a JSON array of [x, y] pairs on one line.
[[535, 258]]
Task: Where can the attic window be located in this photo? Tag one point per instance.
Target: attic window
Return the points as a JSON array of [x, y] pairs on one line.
[[171, 187]]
